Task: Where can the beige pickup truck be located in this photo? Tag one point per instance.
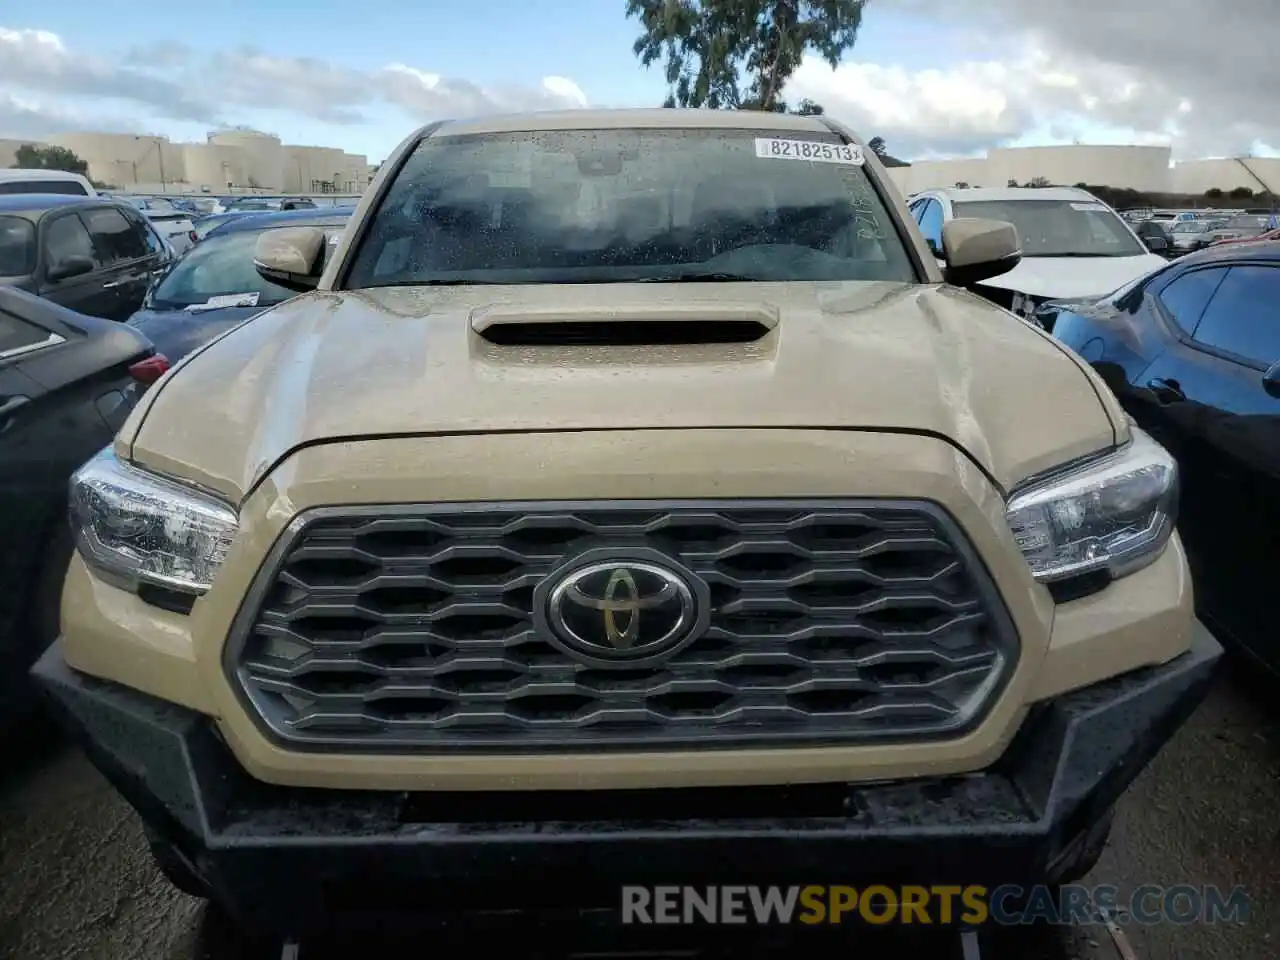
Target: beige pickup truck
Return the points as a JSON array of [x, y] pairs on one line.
[[631, 498]]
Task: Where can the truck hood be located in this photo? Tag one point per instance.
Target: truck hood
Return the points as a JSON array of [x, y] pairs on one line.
[[408, 361], [1063, 278]]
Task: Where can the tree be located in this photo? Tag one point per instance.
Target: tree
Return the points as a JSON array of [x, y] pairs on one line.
[[878, 146], [808, 108], [1039, 182], [31, 157], [1213, 193], [1241, 193], [710, 48]]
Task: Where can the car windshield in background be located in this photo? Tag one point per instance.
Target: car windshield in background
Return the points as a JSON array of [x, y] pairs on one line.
[[1059, 228], [17, 247], [219, 267], [69, 188], [1190, 227], [601, 206]]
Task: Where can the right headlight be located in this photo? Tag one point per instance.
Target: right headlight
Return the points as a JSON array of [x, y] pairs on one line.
[[136, 528], [1114, 514]]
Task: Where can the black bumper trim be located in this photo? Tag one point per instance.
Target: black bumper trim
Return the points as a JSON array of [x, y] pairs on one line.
[[283, 858]]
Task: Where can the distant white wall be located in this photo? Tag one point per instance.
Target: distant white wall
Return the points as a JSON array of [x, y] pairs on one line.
[[1197, 176], [935, 174], [1138, 168]]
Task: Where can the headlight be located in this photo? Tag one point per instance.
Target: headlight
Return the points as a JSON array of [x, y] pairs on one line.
[[135, 528], [1114, 514]]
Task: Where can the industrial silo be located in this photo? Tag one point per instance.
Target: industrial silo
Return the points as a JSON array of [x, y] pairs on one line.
[[263, 157]]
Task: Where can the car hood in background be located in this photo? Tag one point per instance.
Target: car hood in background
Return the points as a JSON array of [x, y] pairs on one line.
[[408, 361], [176, 333], [1063, 278]]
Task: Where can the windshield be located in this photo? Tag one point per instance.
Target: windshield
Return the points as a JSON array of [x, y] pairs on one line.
[[592, 206], [17, 247], [221, 266], [1059, 228], [1190, 228], [66, 187]]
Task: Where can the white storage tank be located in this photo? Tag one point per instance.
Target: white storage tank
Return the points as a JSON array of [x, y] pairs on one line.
[[126, 159], [263, 156], [213, 166], [1134, 167]]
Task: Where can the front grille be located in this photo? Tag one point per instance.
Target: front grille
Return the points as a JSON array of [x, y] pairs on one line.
[[413, 628]]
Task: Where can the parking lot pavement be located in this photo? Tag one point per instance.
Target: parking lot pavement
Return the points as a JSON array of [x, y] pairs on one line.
[[76, 879]]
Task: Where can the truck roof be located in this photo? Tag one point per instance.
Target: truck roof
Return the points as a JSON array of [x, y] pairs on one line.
[[630, 118]]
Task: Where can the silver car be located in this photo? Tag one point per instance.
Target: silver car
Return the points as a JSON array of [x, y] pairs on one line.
[[1189, 235]]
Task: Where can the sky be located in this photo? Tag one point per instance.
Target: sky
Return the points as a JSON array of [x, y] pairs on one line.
[[932, 78]]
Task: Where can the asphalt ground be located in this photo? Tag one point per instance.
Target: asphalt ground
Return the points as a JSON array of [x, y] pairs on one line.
[[76, 879]]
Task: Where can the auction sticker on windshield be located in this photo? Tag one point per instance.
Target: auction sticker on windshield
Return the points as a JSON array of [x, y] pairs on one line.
[[227, 300], [775, 149]]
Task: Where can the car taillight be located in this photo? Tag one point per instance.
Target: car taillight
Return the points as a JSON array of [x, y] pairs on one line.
[[150, 370], [191, 235]]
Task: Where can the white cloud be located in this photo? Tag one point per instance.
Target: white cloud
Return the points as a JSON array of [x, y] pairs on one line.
[[1200, 77], [43, 83]]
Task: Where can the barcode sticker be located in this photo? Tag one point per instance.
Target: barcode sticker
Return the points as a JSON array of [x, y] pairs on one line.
[[772, 148]]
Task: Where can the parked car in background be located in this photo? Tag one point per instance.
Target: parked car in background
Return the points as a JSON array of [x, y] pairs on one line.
[[215, 286], [1260, 238], [173, 223], [1157, 230], [18, 180], [67, 382], [1073, 244], [1193, 353], [1188, 235], [91, 255], [206, 225], [260, 204], [1246, 226]]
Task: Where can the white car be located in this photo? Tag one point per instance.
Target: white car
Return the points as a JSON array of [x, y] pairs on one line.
[[19, 180], [175, 225], [1074, 246]]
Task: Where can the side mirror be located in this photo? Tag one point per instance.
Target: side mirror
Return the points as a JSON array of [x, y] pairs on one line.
[[68, 268], [293, 257], [1157, 244], [976, 250], [1271, 380]]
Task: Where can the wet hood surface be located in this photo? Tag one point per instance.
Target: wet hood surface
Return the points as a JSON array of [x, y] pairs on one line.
[[408, 361], [176, 333]]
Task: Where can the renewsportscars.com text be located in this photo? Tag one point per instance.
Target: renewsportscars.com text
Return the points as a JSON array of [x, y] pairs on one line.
[[1071, 904]]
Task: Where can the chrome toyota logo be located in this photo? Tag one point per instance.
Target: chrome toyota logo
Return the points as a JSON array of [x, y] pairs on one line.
[[622, 610]]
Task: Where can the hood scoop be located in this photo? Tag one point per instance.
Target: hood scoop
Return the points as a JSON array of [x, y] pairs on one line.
[[623, 326]]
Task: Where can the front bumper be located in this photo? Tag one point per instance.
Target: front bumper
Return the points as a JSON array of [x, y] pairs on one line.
[[298, 861]]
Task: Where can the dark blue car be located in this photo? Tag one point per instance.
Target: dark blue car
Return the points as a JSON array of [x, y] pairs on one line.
[[1193, 353], [215, 285]]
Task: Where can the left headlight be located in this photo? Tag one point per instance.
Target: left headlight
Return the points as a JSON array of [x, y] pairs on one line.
[[1114, 514], [135, 528]]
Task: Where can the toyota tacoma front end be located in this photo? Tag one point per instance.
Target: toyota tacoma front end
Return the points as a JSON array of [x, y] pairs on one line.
[[600, 520]]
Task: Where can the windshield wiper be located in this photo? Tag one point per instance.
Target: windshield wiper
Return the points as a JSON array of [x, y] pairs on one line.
[[445, 282], [699, 276]]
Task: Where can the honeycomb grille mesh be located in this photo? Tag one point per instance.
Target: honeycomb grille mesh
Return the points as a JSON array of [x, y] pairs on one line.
[[412, 629]]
